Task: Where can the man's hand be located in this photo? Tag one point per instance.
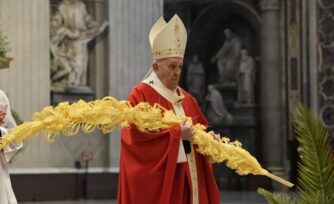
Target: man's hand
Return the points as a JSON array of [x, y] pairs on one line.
[[2, 117], [186, 131]]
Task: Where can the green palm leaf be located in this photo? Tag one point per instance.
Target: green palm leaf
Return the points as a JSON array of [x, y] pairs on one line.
[[316, 169], [277, 198]]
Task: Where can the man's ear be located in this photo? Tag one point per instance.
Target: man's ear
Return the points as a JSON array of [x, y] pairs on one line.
[[155, 67]]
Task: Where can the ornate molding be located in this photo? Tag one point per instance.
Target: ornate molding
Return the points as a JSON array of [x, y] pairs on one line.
[[95, 1], [56, 2], [326, 4], [270, 5], [326, 115], [327, 87]]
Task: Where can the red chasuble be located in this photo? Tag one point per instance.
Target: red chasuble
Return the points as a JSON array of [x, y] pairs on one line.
[[149, 172]]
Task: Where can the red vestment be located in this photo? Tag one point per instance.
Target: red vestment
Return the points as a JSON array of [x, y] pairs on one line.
[[149, 172]]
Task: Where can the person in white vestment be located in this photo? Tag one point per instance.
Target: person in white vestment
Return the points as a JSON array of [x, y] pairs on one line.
[[7, 122]]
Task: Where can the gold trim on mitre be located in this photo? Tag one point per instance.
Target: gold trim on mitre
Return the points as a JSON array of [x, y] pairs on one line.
[[168, 39]]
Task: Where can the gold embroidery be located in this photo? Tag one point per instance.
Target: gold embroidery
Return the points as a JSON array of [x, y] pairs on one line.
[[193, 174], [177, 34], [169, 51]]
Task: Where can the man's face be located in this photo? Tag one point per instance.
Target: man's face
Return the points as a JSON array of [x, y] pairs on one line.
[[168, 71]]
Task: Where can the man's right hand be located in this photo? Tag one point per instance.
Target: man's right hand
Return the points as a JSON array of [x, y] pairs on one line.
[[186, 131], [2, 117]]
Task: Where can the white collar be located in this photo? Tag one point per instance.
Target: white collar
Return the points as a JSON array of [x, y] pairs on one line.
[[171, 96]]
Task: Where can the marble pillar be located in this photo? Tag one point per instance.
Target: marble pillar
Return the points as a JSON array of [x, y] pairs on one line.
[[98, 60], [313, 49], [271, 85], [129, 51], [26, 23]]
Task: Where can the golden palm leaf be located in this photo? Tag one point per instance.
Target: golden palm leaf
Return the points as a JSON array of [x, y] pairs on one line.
[[108, 113]]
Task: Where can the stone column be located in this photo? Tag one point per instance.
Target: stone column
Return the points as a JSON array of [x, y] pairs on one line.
[[98, 61], [130, 54], [26, 23], [313, 53], [271, 87]]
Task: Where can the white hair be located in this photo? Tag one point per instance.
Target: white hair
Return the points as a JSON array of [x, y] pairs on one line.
[[154, 61]]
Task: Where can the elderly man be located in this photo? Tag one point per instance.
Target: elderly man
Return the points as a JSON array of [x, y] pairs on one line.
[[164, 167], [7, 122]]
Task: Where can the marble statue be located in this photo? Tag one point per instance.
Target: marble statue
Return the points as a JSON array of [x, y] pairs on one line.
[[246, 79], [228, 57], [61, 62], [196, 79], [215, 109], [72, 28]]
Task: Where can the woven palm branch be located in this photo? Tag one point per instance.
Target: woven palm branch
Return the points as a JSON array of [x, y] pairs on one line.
[[108, 113]]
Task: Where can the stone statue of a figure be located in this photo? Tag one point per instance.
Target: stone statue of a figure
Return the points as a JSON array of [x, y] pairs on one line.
[[228, 57], [215, 109], [72, 28], [195, 79], [246, 79]]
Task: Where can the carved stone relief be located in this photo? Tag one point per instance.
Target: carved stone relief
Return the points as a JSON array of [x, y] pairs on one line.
[[326, 65], [72, 28]]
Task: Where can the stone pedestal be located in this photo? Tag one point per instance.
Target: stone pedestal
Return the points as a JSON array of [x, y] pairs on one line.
[[229, 93], [246, 129], [70, 148], [72, 95]]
